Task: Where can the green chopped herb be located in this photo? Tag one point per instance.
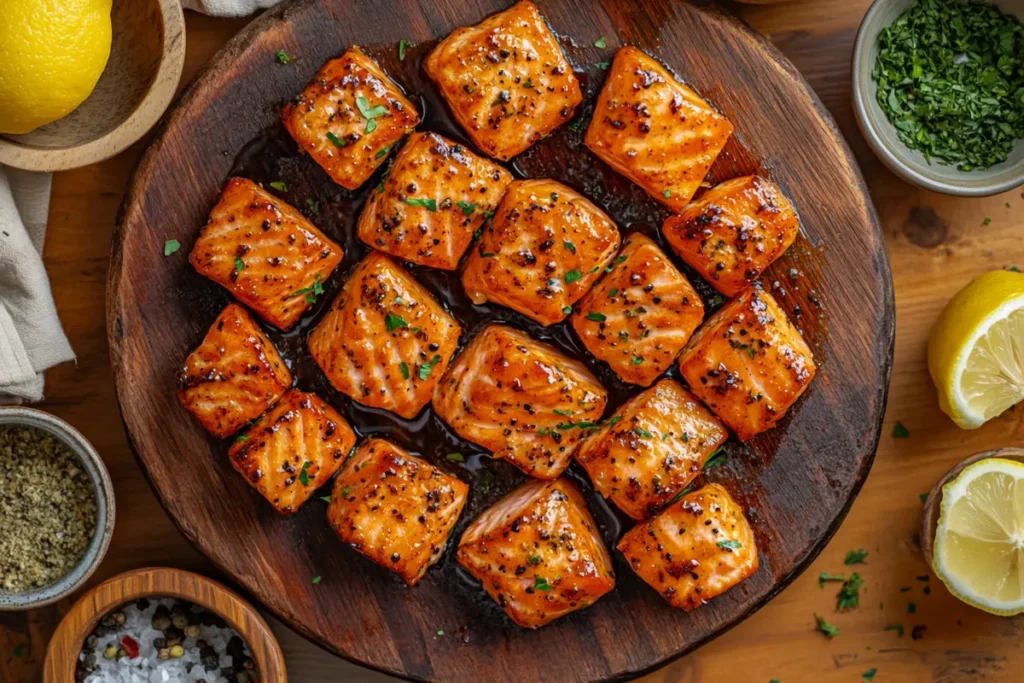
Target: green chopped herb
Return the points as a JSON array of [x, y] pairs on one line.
[[619, 259], [895, 627], [911, 607], [638, 360], [855, 557], [730, 544], [643, 433], [440, 632], [311, 292], [828, 629], [487, 254], [393, 322], [279, 186], [242, 437], [488, 214], [326, 499], [534, 560], [428, 204], [304, 473], [316, 580], [601, 43], [666, 436], [313, 205], [427, 367], [338, 142], [382, 152], [900, 432], [573, 276], [603, 65], [569, 245], [345, 491], [667, 194], [563, 413], [716, 458], [171, 247], [403, 45], [467, 208], [528, 84], [825, 577], [371, 114], [869, 675], [949, 79], [19, 650], [567, 309], [282, 57], [613, 291], [596, 317], [456, 457], [405, 369], [239, 264], [987, 221], [541, 584], [502, 98], [484, 481], [848, 596], [579, 124]]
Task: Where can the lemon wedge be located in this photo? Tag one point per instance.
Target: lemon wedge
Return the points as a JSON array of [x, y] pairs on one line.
[[979, 541], [976, 349]]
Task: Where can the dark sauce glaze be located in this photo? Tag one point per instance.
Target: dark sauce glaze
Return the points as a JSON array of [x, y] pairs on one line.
[[274, 156]]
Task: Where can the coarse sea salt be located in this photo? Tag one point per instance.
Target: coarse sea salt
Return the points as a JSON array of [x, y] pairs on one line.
[[146, 667]]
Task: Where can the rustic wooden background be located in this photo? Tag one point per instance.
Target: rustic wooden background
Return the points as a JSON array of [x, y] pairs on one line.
[[936, 245]]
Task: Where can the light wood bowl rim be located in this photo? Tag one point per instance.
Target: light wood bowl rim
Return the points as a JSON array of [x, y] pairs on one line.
[[144, 116], [158, 582], [933, 505]]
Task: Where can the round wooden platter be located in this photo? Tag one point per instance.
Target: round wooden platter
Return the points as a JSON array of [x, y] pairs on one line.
[[160, 582], [796, 482]]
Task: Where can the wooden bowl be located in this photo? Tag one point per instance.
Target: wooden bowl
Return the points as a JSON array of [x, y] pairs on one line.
[[140, 78], [66, 644], [933, 505]]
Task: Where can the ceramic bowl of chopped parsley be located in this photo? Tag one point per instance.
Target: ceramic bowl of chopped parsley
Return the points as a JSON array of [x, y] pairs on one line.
[[938, 89]]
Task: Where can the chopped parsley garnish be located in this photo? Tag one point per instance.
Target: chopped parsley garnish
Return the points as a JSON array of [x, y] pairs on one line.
[[900, 432], [313, 205], [282, 57], [638, 360], [239, 264], [895, 627], [573, 276], [596, 317], [613, 291], [242, 437], [869, 675], [501, 99], [403, 45], [488, 214], [828, 629], [487, 254], [279, 186], [311, 292], [326, 499], [528, 84], [382, 152], [338, 142], [428, 204], [405, 369], [949, 79], [666, 436], [825, 577], [541, 584], [171, 247], [643, 433], [427, 367], [667, 194], [456, 457], [603, 65], [855, 557], [393, 322], [345, 491], [316, 580], [848, 596], [569, 245], [304, 473], [467, 208], [716, 458], [567, 309], [371, 114], [534, 560], [579, 124], [730, 544], [563, 413], [601, 43], [987, 221]]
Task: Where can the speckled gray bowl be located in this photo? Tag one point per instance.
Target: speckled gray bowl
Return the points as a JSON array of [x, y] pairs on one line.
[[881, 134], [94, 467]]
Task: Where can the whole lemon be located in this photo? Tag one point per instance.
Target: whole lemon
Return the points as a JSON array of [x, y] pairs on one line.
[[52, 53]]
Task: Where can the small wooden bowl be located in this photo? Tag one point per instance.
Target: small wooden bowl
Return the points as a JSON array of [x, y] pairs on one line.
[[66, 644], [933, 505], [146, 58]]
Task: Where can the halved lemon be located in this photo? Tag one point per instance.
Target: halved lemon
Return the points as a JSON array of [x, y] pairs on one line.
[[979, 541], [976, 349]]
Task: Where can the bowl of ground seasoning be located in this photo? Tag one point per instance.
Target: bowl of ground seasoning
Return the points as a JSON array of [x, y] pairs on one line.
[[56, 509], [938, 90]]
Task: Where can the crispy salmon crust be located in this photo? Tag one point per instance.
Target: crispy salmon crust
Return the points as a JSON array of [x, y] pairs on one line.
[[349, 116], [264, 251]]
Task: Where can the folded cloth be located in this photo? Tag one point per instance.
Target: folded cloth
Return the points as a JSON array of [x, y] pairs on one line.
[[31, 338], [228, 8]]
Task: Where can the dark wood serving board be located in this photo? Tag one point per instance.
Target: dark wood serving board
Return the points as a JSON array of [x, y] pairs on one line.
[[796, 482]]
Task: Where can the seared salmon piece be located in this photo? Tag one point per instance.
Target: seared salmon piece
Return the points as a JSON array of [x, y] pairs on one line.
[[734, 231], [386, 341], [638, 317], [748, 363], [436, 195], [349, 116], [505, 80], [651, 449], [544, 249], [521, 399], [234, 375], [265, 252], [395, 509], [538, 553], [696, 549], [293, 449], [654, 130]]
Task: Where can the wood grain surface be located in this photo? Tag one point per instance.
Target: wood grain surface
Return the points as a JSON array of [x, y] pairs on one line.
[[795, 481], [66, 644], [936, 245]]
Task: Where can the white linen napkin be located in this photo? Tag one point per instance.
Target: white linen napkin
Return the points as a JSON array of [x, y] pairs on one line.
[[228, 8]]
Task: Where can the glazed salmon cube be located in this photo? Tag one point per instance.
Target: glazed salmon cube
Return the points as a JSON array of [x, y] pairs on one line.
[[654, 130], [234, 375], [544, 249], [264, 252], [505, 80], [293, 449], [436, 195], [538, 553], [385, 342], [523, 400], [734, 232], [638, 317], [748, 363], [395, 509], [651, 449], [696, 549], [349, 116]]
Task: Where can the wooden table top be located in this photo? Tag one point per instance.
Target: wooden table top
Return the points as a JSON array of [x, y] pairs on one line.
[[936, 244]]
